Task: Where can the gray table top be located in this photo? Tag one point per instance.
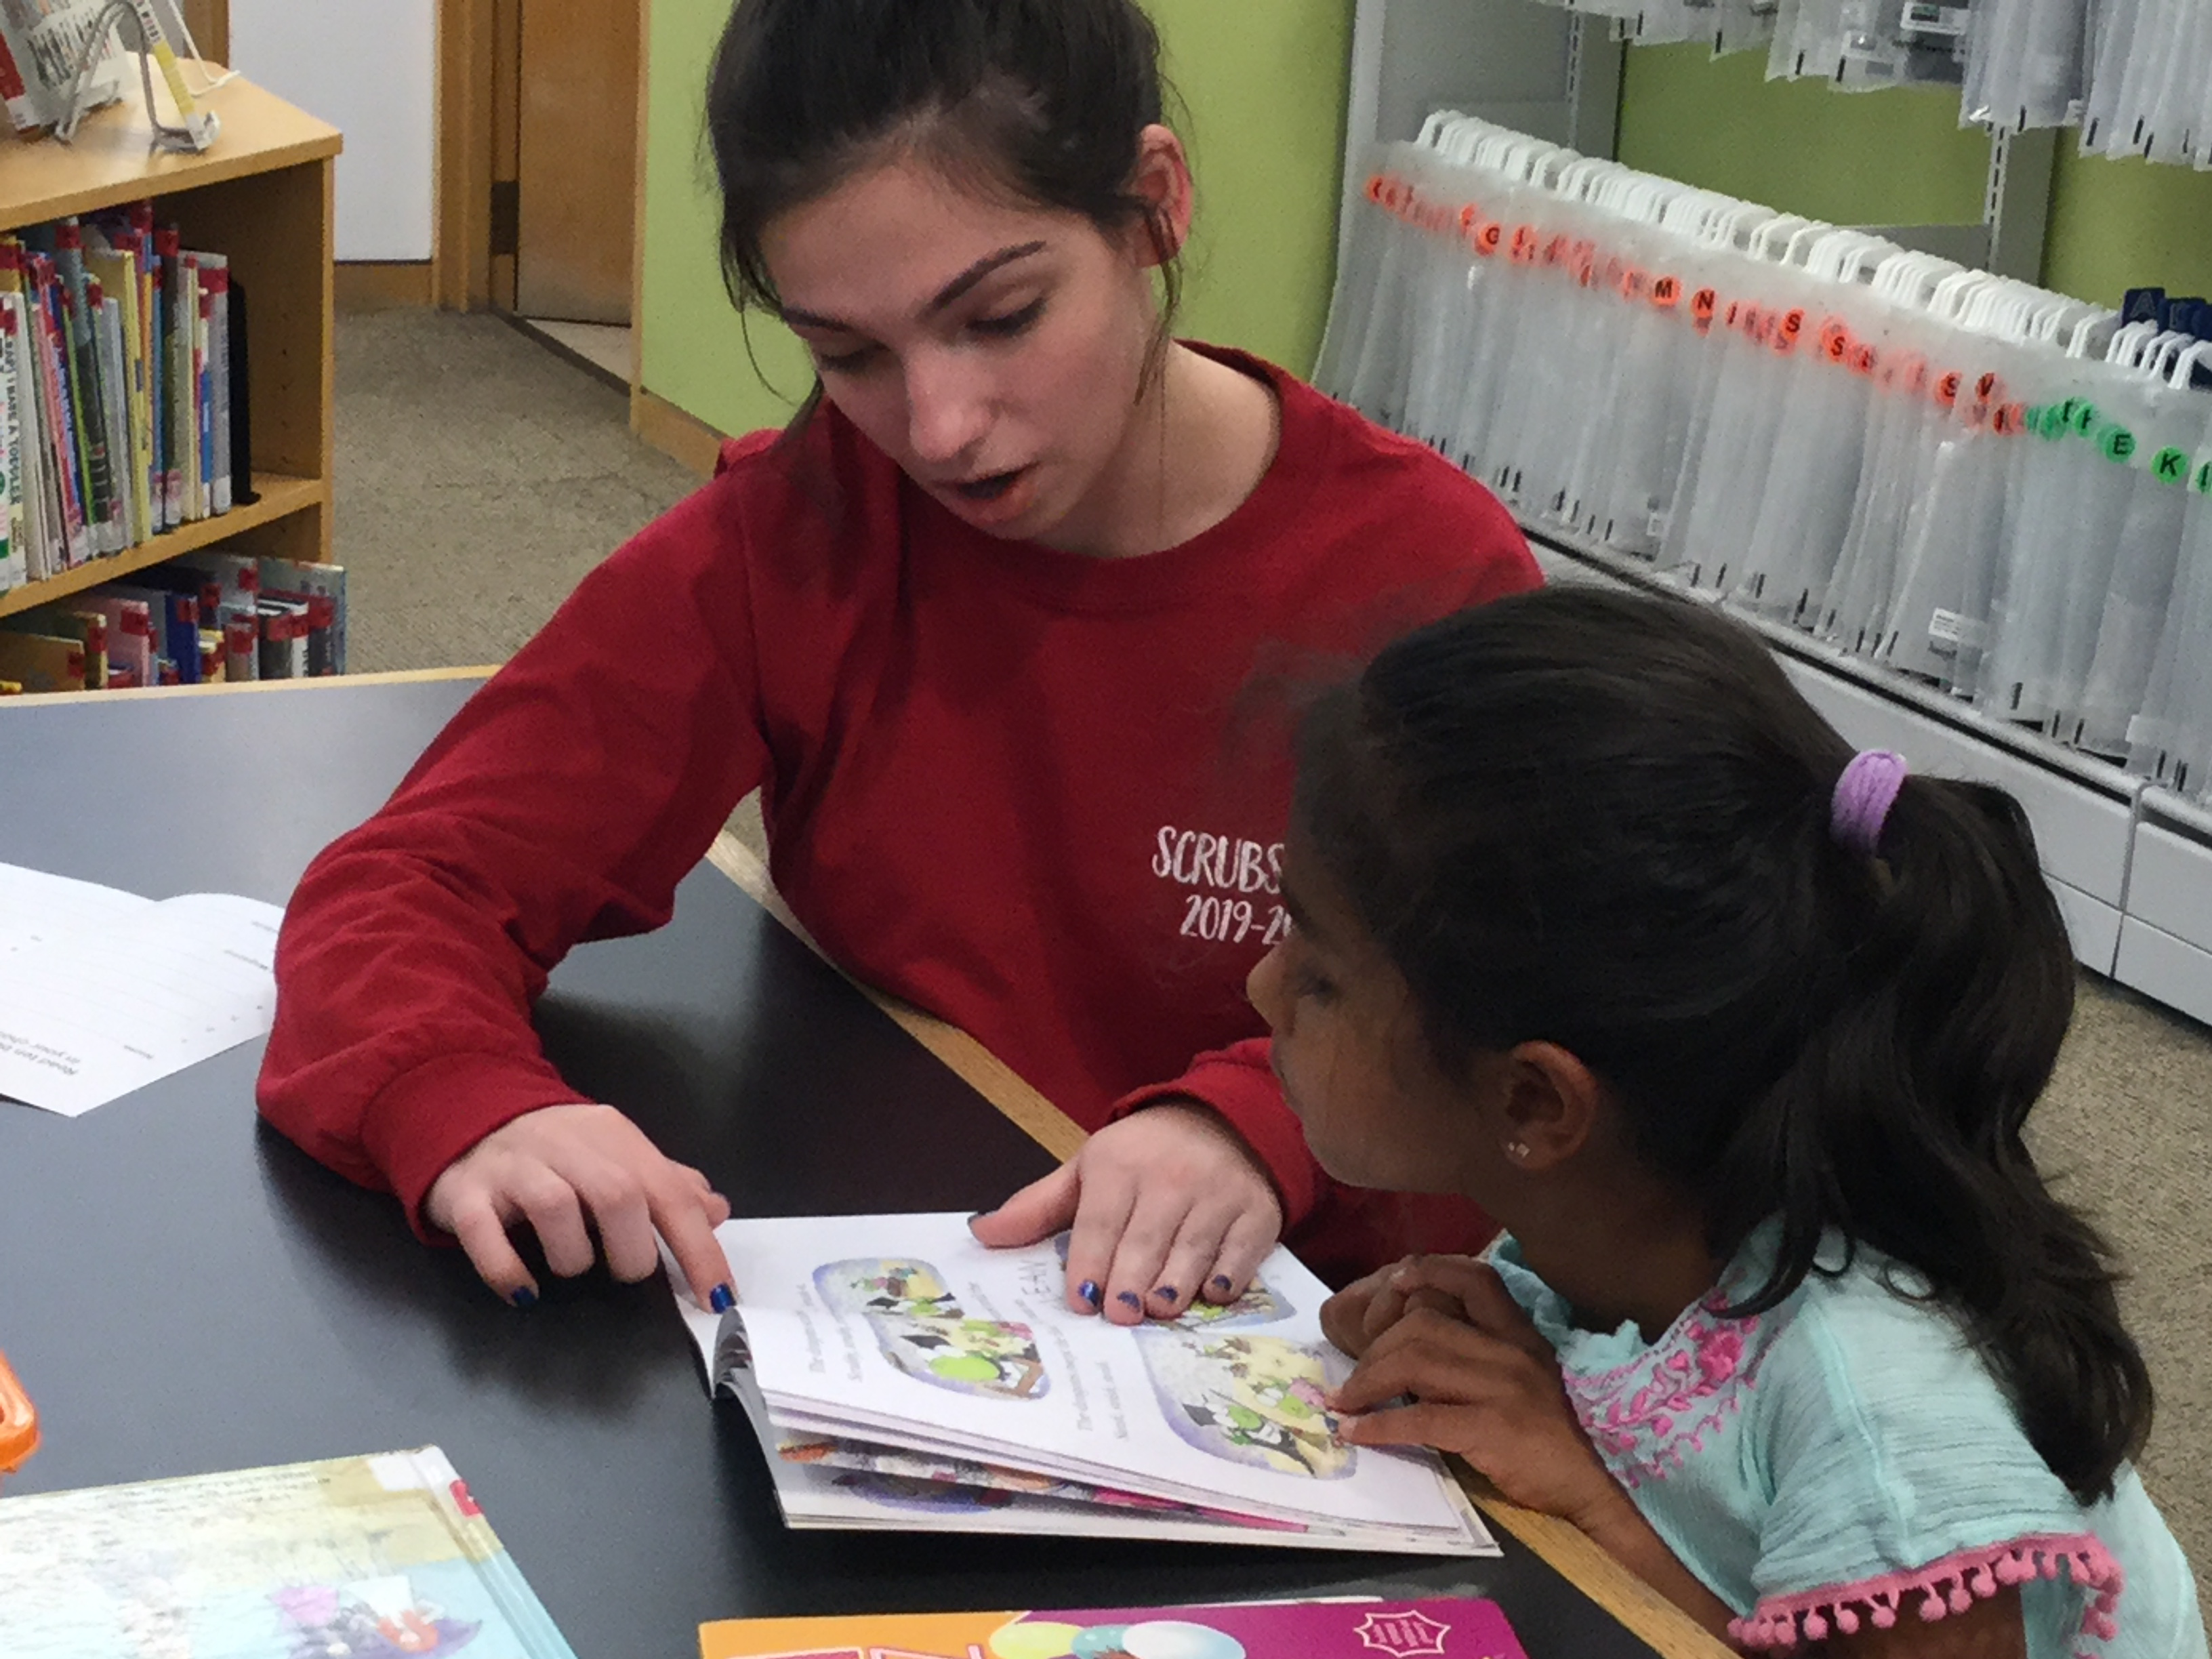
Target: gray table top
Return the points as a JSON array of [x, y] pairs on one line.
[[182, 1291]]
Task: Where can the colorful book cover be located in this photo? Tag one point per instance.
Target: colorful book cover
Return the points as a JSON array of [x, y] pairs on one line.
[[176, 373], [51, 372], [1444, 1627], [41, 662], [130, 645], [14, 560], [387, 1554], [117, 272], [88, 392], [298, 576], [73, 618]]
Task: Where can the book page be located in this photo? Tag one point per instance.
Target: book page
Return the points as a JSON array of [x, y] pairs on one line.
[[903, 1330], [102, 992]]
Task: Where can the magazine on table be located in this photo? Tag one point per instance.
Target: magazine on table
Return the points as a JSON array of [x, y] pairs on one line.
[[902, 1376]]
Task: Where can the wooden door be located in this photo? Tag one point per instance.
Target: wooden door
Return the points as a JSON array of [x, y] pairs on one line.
[[576, 159]]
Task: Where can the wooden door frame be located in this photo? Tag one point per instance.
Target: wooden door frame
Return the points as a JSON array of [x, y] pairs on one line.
[[210, 23], [472, 56], [460, 250]]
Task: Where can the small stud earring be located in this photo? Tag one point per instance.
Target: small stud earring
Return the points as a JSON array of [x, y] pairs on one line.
[[1517, 1150]]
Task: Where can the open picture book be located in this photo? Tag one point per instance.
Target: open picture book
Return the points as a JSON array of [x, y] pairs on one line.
[[902, 1376]]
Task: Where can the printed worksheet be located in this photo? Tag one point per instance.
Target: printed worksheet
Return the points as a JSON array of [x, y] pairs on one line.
[[103, 992], [36, 907], [902, 1332]]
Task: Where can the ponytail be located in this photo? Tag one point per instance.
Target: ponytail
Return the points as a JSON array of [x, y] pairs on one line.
[[1602, 820], [1899, 1125]]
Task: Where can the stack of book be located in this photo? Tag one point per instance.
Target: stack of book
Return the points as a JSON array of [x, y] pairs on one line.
[[122, 401], [198, 618]]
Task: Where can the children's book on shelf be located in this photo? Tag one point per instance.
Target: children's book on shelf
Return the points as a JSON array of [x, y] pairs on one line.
[[902, 1377], [383, 1554], [202, 616], [1353, 1627], [122, 412]]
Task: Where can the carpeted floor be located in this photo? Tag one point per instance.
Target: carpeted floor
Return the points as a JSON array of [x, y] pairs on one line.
[[479, 476]]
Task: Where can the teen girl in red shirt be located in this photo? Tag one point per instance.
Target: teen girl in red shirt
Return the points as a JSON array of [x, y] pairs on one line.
[[999, 627]]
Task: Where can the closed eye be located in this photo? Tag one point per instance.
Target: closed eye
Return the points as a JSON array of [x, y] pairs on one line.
[[1011, 323], [845, 362]]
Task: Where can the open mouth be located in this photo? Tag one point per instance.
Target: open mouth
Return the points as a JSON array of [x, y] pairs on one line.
[[988, 488]]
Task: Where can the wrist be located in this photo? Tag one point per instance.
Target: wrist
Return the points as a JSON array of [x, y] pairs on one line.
[[1604, 1513]]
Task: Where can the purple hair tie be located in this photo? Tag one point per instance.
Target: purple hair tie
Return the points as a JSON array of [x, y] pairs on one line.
[[1863, 795]]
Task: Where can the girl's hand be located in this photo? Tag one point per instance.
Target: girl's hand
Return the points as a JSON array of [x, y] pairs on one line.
[[570, 1171], [1363, 1311], [1481, 1381], [1168, 1205]]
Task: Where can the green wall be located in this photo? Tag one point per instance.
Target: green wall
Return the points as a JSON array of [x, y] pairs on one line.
[[1264, 86], [1878, 158], [1900, 157], [2118, 225]]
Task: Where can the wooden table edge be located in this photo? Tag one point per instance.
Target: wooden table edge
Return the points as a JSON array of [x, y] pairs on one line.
[[1571, 1553], [226, 688]]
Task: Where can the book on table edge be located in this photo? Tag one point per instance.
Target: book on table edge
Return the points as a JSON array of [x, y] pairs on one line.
[[1357, 1627], [387, 1554]]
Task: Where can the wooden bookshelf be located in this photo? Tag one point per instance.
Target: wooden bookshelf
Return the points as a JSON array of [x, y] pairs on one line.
[[262, 196]]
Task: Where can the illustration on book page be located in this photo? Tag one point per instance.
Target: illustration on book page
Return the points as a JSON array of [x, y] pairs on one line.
[[1254, 1400], [922, 1330], [368, 1616], [887, 1285]]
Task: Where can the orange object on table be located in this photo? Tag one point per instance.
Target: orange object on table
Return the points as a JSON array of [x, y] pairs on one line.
[[19, 1422]]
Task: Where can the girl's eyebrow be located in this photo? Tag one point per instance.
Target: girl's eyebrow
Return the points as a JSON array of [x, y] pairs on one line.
[[945, 296]]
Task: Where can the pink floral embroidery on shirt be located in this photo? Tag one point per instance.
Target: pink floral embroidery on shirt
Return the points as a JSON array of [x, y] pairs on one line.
[[1648, 1417]]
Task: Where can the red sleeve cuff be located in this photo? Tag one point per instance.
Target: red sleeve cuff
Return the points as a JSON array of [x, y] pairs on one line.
[[1239, 1083], [425, 1118]]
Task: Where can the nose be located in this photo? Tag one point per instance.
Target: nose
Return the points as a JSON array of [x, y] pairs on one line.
[[948, 403], [1263, 989]]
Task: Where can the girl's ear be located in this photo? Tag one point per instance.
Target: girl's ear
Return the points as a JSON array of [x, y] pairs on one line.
[[1551, 1106], [1162, 181]]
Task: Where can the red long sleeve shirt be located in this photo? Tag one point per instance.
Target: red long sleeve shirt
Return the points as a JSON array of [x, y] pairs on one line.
[[1039, 794]]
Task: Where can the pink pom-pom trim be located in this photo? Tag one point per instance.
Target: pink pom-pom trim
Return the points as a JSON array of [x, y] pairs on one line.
[[1950, 1585]]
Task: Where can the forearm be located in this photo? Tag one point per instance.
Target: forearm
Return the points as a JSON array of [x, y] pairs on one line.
[[1618, 1527]]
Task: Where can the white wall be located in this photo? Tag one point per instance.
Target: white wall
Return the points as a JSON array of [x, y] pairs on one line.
[[369, 68]]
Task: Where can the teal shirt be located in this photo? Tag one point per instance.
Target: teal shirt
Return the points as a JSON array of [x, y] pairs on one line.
[[1846, 1458]]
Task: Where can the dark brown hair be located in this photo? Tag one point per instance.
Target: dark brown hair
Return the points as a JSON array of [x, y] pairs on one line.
[[1601, 820], [1045, 98]]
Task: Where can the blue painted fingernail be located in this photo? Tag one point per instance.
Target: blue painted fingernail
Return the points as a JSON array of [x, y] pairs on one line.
[[1222, 1281], [1166, 1293], [720, 1300], [523, 1296], [1088, 1290], [1129, 1299]]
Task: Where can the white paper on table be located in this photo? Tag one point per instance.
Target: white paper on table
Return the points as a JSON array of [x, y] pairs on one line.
[[103, 992], [1099, 1416], [36, 906]]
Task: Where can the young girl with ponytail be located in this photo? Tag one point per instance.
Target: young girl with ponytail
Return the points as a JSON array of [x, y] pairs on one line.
[[1600, 926]]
